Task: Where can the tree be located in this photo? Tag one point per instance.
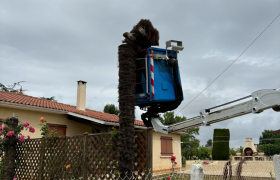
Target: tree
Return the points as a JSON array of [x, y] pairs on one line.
[[10, 88], [131, 47], [169, 118], [3, 87], [269, 142], [190, 143], [203, 152], [209, 143], [232, 151], [270, 149], [240, 149], [111, 109], [268, 137], [50, 98]]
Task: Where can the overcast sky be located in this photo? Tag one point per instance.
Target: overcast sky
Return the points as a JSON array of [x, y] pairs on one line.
[[53, 43]]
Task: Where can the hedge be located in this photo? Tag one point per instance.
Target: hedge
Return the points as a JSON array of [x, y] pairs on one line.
[[220, 149]]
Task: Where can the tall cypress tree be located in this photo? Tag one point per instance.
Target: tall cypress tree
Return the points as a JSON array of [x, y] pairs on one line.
[[220, 149]]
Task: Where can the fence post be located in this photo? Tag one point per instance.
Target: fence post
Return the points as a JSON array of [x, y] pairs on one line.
[[150, 152], [276, 162], [197, 172], [10, 152], [85, 155], [42, 156]]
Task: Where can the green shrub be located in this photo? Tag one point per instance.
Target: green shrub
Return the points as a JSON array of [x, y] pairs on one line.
[[220, 149], [270, 149]]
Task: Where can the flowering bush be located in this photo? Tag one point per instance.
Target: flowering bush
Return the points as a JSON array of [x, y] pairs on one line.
[[248, 152], [45, 129], [10, 137], [207, 162], [173, 163]]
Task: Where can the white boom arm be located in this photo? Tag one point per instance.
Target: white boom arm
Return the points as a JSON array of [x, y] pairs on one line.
[[261, 100]]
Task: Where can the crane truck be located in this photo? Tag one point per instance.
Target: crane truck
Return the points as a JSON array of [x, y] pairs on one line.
[[159, 89]]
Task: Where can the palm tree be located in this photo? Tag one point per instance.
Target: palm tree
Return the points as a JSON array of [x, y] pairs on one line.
[[134, 43]]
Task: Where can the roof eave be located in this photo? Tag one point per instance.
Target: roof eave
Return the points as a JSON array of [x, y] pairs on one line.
[[86, 117], [56, 111], [33, 108], [100, 121]]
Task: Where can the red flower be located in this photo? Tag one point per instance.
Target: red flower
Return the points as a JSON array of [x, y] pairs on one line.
[[175, 162], [21, 139], [31, 129], [26, 124], [173, 157], [168, 178]]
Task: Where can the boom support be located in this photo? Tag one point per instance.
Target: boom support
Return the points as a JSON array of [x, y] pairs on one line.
[[260, 101]]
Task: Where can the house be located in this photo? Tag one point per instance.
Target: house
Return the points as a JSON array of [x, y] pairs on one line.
[[276, 131], [72, 120]]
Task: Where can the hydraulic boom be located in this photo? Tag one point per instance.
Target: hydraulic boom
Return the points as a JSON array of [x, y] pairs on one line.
[[260, 101]]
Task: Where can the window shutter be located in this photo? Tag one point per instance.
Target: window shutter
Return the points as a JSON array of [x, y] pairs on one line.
[[1, 121], [169, 146], [61, 129], [166, 146], [163, 146]]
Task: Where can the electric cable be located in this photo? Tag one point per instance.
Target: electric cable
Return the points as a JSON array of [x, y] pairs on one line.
[[229, 65]]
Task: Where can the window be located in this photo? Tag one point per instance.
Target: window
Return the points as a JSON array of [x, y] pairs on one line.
[[166, 146], [61, 129]]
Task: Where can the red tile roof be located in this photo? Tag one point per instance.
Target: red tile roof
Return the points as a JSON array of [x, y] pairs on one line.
[[39, 102], [277, 131]]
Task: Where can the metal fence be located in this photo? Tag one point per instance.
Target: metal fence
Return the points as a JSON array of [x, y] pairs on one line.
[[210, 170]]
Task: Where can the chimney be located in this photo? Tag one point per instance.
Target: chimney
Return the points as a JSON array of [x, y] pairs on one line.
[[81, 95]]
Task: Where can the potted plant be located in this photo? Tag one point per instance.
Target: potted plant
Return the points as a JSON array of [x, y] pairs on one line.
[[238, 153], [261, 153], [248, 153]]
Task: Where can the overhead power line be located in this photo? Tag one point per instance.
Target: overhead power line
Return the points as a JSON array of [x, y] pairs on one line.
[[229, 65]]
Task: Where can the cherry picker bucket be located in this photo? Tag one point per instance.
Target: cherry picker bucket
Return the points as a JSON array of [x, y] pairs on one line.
[[158, 82]]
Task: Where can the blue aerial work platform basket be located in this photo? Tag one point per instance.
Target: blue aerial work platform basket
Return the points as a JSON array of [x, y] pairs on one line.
[[158, 82]]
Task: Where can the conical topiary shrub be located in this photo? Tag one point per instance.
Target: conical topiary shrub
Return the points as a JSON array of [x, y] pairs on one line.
[[220, 149]]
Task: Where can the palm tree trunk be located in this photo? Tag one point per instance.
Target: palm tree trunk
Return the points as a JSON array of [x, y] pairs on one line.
[[127, 78]]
